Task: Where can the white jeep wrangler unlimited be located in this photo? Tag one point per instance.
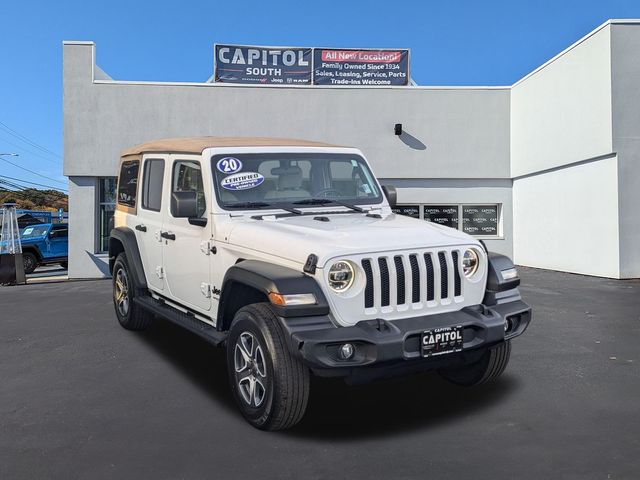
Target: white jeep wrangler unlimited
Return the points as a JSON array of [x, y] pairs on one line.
[[287, 253]]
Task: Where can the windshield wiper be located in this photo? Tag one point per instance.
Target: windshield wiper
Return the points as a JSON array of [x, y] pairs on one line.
[[326, 201], [263, 205]]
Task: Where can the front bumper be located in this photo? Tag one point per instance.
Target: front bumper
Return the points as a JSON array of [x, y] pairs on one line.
[[395, 346]]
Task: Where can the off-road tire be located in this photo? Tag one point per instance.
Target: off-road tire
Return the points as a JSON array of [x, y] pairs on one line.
[[488, 368], [135, 317], [30, 262], [286, 380]]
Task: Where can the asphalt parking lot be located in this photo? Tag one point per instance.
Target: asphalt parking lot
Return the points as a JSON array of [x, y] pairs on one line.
[[82, 398]]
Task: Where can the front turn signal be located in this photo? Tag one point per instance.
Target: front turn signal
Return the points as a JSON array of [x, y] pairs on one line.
[[292, 299]]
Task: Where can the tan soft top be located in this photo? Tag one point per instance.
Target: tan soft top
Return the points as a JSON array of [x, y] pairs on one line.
[[198, 144]]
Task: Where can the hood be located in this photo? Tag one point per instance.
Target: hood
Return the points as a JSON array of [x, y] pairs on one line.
[[345, 234]]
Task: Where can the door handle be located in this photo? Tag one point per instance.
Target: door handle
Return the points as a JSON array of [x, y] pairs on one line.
[[168, 236], [141, 228]]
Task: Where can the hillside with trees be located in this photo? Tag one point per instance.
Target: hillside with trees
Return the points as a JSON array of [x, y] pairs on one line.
[[34, 199]]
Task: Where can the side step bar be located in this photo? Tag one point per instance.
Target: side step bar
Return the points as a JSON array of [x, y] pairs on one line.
[[184, 320]]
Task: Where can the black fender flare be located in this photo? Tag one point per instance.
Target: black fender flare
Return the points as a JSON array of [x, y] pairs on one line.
[[33, 249], [127, 238], [266, 278], [498, 289], [495, 282]]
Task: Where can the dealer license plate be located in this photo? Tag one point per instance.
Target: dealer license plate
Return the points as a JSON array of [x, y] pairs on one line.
[[439, 341]]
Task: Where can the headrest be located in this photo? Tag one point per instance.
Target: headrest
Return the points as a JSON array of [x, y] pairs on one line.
[[289, 178]]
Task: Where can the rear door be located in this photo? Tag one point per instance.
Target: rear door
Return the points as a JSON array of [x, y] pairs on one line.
[[185, 259], [149, 220]]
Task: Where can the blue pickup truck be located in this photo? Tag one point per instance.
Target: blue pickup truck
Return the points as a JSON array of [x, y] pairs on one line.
[[44, 244]]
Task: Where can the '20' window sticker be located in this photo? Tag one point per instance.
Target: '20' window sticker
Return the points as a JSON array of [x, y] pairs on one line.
[[229, 165]]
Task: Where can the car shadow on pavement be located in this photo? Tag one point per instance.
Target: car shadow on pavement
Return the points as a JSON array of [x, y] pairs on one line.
[[202, 363], [340, 412], [337, 411]]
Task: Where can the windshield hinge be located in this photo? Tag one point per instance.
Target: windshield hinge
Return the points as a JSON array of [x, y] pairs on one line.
[[310, 264]]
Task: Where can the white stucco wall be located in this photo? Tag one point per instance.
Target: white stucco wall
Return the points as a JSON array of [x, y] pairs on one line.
[[564, 167], [567, 219], [561, 112]]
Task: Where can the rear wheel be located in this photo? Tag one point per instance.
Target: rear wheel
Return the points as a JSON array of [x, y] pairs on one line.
[[488, 368], [130, 315], [271, 386], [30, 262]]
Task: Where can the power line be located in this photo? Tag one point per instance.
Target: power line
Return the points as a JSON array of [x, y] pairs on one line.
[[12, 185], [55, 162], [31, 171], [11, 131], [34, 183]]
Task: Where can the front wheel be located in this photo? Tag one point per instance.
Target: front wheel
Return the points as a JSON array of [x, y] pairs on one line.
[[130, 315], [29, 261], [271, 386], [488, 368]]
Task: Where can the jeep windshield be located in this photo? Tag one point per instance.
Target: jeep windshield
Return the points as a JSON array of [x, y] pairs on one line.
[[285, 180], [34, 231]]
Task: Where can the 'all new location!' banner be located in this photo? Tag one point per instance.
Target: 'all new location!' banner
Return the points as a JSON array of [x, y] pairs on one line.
[[262, 65], [360, 67]]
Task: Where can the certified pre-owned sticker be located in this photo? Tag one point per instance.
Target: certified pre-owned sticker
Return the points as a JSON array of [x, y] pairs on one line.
[[242, 181], [229, 165]]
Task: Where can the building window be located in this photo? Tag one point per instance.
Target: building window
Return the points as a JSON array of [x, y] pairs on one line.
[[481, 220], [447, 215], [412, 211], [106, 207]]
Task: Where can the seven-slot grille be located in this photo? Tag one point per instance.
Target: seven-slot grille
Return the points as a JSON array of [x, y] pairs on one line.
[[396, 281]]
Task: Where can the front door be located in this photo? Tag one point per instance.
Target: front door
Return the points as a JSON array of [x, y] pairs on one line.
[[186, 263], [58, 241], [148, 225]]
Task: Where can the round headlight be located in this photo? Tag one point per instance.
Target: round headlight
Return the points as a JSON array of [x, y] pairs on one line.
[[341, 276], [470, 262]]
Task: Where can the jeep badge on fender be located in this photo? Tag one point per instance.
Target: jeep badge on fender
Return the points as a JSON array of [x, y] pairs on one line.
[[287, 254]]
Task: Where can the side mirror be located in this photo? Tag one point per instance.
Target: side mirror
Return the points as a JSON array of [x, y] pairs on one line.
[[391, 194], [185, 205], [53, 234]]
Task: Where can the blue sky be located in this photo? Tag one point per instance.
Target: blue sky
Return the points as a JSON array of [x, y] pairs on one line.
[[462, 42]]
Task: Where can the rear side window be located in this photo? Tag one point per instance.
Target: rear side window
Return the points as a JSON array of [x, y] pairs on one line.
[[152, 184], [128, 183]]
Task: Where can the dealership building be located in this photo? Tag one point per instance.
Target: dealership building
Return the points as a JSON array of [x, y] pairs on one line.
[[546, 170]]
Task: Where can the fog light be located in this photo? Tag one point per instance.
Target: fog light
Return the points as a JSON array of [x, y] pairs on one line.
[[508, 325], [346, 351]]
